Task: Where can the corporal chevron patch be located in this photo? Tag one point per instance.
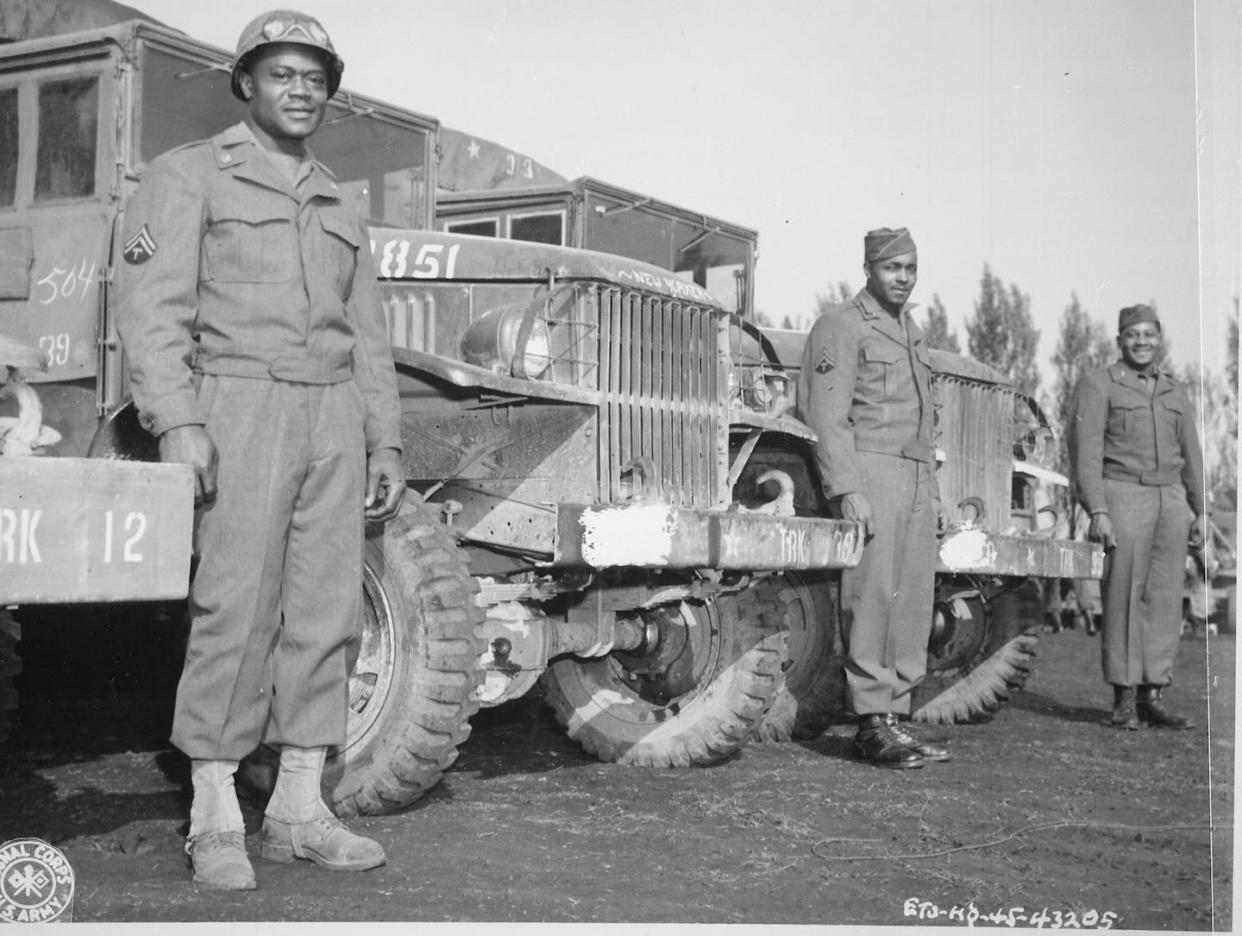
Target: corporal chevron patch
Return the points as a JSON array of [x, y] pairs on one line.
[[140, 248], [825, 363]]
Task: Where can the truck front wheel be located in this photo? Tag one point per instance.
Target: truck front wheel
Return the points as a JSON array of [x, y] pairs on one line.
[[981, 652], [693, 700], [412, 683], [812, 687], [411, 688]]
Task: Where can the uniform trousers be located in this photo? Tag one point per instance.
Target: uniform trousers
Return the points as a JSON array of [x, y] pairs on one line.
[[275, 601], [1143, 580], [886, 601]]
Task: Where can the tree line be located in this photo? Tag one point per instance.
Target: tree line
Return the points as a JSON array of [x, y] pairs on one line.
[[1002, 334]]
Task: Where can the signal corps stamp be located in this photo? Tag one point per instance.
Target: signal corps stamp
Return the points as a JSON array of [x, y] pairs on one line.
[[36, 882]]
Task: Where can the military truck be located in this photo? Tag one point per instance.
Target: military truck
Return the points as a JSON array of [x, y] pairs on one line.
[[994, 450], [575, 425]]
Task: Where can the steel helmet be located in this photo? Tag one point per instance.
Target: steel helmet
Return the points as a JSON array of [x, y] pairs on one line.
[[285, 26]]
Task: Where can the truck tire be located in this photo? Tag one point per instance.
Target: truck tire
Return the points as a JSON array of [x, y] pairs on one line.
[[412, 684], [696, 711], [412, 688], [812, 686], [10, 666], [976, 663]]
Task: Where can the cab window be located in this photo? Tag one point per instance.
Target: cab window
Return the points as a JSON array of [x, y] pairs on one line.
[[8, 147], [487, 227], [182, 101], [68, 130], [539, 228]]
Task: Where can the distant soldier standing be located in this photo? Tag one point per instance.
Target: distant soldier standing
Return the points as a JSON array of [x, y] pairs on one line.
[[259, 355], [865, 388], [1139, 472]]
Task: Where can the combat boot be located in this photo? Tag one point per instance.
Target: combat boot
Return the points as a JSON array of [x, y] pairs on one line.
[[297, 823], [216, 845], [1124, 715], [878, 744], [1152, 711], [219, 861], [930, 750]]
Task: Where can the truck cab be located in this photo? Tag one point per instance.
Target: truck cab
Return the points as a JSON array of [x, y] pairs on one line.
[[711, 253]]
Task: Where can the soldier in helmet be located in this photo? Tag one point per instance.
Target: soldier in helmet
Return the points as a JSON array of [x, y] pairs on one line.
[[865, 388], [258, 353], [1138, 470]]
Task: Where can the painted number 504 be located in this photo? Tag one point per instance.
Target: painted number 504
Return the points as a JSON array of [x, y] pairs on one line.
[[134, 527]]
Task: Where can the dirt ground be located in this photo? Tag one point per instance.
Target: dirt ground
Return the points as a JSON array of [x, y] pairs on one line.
[[1041, 809]]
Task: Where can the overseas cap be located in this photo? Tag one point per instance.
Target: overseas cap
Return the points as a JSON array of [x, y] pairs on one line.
[[286, 26], [1132, 315], [883, 243]]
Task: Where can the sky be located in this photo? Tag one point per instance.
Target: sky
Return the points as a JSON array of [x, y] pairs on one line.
[[1085, 147]]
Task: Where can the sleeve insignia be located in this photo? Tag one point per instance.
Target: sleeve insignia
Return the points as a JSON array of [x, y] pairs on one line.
[[825, 363], [140, 248]]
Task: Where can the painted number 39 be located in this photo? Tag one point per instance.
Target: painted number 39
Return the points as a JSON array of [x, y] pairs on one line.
[[396, 258]]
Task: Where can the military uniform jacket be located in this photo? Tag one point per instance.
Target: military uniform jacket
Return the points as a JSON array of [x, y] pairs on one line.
[[1121, 429], [227, 269], [865, 385]]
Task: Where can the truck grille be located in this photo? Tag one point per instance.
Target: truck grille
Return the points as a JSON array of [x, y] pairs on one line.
[[662, 428], [975, 428]]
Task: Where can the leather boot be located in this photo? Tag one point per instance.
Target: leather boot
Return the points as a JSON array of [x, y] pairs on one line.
[[216, 845], [1124, 715], [1152, 711], [930, 750], [297, 823], [878, 744]]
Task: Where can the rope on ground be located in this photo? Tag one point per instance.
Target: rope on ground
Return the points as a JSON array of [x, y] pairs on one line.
[[1037, 827]]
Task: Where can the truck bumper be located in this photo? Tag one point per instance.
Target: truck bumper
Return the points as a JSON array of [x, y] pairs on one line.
[[985, 553], [657, 536], [85, 530]]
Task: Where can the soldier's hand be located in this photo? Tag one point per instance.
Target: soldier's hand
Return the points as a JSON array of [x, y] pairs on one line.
[[1102, 530], [942, 518], [857, 507], [191, 445], [1198, 532], [385, 485]]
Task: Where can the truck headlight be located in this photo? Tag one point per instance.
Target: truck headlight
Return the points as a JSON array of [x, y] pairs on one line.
[[510, 339]]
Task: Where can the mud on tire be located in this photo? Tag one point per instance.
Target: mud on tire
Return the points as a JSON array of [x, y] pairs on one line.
[[734, 649], [976, 662]]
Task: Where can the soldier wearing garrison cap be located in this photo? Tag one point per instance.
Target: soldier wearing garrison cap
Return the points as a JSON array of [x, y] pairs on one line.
[[259, 355], [1138, 470], [865, 388]]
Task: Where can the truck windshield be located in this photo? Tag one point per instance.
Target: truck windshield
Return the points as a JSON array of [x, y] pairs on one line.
[[712, 259], [68, 126], [380, 162]]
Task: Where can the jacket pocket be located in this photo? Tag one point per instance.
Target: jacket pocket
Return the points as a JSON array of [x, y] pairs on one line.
[[251, 240], [340, 248], [1172, 411], [1126, 417], [881, 376]]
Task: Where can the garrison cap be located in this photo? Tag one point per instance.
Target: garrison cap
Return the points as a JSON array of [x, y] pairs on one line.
[[285, 26], [1133, 315], [883, 243]]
